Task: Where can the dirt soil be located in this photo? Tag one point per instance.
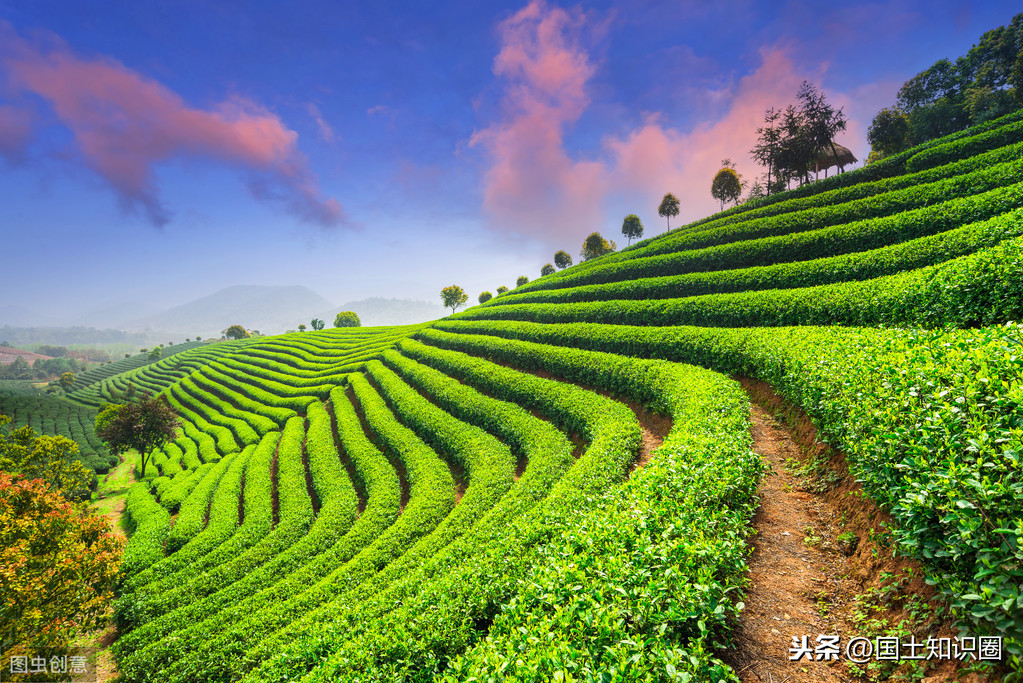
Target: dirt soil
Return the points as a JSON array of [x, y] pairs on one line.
[[813, 553]]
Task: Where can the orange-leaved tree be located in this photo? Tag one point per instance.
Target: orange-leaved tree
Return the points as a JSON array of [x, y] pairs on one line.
[[58, 566]]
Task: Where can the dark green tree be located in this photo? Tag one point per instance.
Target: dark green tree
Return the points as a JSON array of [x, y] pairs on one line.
[[485, 297], [316, 324], [632, 227], [501, 290], [547, 269], [726, 186], [522, 279], [595, 245], [143, 426], [347, 319], [669, 207], [233, 332], [156, 353], [889, 132], [562, 259]]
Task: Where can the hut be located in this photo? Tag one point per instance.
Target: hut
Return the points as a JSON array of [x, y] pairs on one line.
[[841, 157]]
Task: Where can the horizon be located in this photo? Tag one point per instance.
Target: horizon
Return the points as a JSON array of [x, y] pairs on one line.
[[338, 147]]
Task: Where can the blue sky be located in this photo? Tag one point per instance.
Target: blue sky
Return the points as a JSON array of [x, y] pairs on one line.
[[160, 151]]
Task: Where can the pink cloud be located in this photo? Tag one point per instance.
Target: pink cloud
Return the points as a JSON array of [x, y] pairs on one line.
[[532, 185], [15, 132], [655, 159], [124, 123]]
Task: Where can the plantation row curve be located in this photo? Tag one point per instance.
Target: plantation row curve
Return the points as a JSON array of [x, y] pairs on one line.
[[411, 503]]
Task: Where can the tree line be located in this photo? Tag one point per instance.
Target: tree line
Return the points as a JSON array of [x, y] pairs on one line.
[[984, 84]]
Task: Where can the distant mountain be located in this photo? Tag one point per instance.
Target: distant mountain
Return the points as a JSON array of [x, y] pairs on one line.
[[377, 311], [270, 310], [114, 315]]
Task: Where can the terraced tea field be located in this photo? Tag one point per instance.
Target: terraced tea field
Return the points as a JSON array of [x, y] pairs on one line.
[[462, 500]]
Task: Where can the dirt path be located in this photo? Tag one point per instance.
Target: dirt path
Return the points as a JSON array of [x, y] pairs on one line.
[[817, 568], [787, 569]]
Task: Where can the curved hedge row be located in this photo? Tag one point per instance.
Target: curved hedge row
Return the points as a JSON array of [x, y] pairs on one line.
[[149, 523], [895, 401]]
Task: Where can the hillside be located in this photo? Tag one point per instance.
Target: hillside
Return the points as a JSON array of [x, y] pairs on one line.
[[466, 499]]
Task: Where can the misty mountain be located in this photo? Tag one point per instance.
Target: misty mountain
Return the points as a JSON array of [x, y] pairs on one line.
[[269, 309], [379, 311], [115, 316]]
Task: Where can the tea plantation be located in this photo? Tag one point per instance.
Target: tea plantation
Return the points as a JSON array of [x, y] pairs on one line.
[[459, 500]]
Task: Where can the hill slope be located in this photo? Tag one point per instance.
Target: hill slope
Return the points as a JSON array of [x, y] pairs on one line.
[[464, 498]]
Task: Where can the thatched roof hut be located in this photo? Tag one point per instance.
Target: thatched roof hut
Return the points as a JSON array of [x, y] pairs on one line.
[[827, 159]]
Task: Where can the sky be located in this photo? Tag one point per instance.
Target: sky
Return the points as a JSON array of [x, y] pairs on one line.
[[156, 152]]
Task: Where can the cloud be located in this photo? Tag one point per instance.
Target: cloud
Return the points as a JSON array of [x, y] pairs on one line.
[[124, 124], [655, 159], [326, 132], [536, 186], [15, 133], [532, 185]]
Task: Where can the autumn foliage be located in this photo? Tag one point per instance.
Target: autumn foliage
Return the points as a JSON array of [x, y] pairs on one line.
[[58, 565]]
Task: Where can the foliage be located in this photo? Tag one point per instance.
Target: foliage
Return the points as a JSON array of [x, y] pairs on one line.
[[156, 354], [889, 132], [142, 426], [53, 459], [521, 280], [347, 319], [547, 269], [454, 296], [501, 290], [233, 332], [562, 259], [58, 566], [67, 381], [632, 227], [316, 324], [791, 139], [485, 297], [301, 327], [979, 86], [726, 186], [595, 245], [669, 207]]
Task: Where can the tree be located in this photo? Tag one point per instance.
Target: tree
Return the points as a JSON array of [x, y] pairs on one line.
[[67, 381], [54, 459], [595, 245], [632, 227], [453, 297], [727, 186], [143, 426], [562, 259], [60, 566], [485, 297], [347, 319], [668, 208], [155, 354], [547, 269], [819, 120], [501, 290], [234, 332], [316, 324], [522, 279], [301, 328], [198, 338], [889, 132]]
